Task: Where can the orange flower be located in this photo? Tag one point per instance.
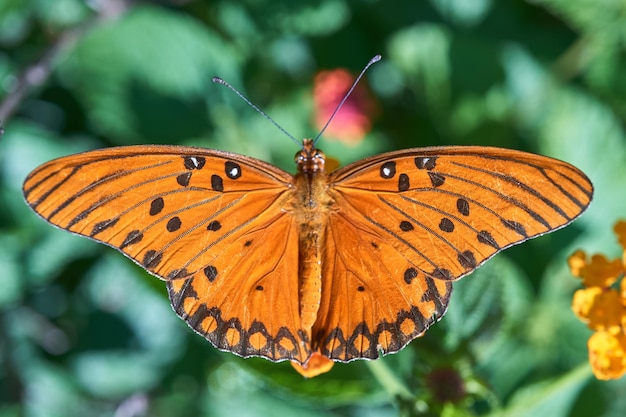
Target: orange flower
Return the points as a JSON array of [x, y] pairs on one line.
[[603, 308], [314, 366], [353, 121], [620, 231], [577, 261], [600, 308], [607, 355], [601, 272]]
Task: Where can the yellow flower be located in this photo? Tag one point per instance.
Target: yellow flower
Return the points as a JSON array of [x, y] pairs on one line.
[[620, 231], [601, 272], [583, 302], [607, 355], [577, 261], [602, 306]]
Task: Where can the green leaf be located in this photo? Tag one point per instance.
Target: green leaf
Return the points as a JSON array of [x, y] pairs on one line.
[[129, 77], [554, 398]]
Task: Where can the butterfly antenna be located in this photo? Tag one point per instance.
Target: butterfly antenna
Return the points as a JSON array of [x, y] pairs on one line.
[[369, 64], [218, 80]]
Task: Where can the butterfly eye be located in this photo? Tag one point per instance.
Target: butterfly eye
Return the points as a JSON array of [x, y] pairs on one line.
[[318, 155], [299, 157]]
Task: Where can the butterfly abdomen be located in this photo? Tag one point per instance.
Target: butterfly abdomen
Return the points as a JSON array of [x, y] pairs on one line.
[[311, 211]]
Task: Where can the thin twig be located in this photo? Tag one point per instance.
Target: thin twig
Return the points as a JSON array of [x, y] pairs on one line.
[[38, 73]]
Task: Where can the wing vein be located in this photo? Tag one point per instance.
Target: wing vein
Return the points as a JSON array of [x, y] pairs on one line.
[[514, 181]]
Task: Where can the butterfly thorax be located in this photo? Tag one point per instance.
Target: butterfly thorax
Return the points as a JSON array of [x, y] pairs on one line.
[[311, 207]]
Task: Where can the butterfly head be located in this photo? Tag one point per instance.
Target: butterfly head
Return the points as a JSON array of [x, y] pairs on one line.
[[310, 159]]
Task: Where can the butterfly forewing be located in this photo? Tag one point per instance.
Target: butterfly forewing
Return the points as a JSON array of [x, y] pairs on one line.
[[407, 223], [496, 197], [203, 220]]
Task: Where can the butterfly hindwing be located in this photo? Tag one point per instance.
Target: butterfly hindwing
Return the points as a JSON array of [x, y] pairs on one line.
[[373, 299]]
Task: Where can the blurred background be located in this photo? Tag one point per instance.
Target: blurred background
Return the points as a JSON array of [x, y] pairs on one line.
[[85, 332]]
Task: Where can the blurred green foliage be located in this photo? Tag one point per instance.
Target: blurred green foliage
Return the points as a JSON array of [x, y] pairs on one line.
[[84, 332]]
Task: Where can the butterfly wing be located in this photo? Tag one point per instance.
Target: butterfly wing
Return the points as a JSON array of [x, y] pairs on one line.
[[205, 221], [408, 223]]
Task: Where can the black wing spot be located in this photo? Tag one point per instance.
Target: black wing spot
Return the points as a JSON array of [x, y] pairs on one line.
[[177, 273], [442, 273], [433, 295], [259, 288], [462, 206], [247, 243], [183, 179], [156, 206], [216, 183], [446, 225], [403, 182], [486, 238], [173, 224], [103, 225], [360, 288], [210, 272], [436, 179], [151, 259], [406, 226], [388, 169], [467, 259], [515, 226], [284, 333], [133, 237], [425, 162], [233, 170], [194, 162], [410, 274], [186, 291], [214, 226]]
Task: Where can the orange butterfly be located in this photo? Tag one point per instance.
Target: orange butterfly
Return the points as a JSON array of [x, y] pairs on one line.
[[316, 267]]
